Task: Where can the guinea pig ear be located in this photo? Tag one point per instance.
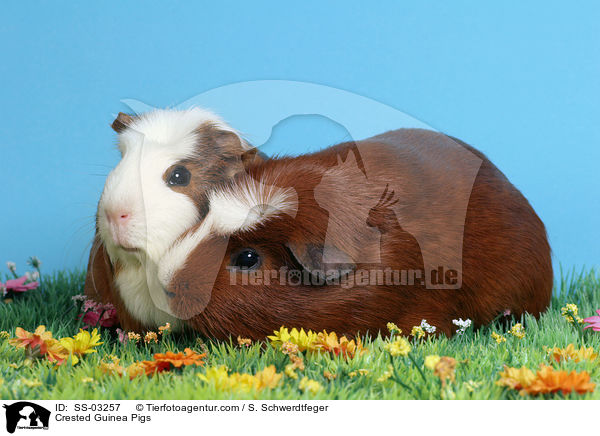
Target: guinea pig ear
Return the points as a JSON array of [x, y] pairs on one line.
[[312, 257], [121, 122], [252, 156]]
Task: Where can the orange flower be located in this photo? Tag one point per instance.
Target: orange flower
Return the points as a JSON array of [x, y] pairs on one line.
[[244, 342], [134, 370], [56, 352], [548, 380], [330, 343], [36, 343], [164, 361], [151, 336], [571, 353], [112, 368], [445, 369]]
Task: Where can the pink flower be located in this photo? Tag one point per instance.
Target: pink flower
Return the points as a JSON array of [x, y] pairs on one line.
[[593, 321], [19, 285], [123, 336], [94, 314]]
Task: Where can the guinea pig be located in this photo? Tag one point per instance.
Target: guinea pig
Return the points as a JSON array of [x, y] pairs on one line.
[[401, 227], [158, 190]]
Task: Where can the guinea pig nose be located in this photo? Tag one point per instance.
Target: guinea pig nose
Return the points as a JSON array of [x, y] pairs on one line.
[[118, 217]]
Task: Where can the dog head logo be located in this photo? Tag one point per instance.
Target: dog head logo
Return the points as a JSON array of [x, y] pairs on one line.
[[26, 415]]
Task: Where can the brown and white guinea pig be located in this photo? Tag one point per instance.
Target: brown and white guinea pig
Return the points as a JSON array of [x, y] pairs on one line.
[[169, 160], [401, 227]]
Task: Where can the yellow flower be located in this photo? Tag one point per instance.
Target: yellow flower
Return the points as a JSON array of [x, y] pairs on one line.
[[290, 371], [570, 313], [81, 344], [516, 378], [417, 332], [471, 385], [31, 383], [393, 328], [304, 340], [217, 376], [4, 335], [387, 374], [87, 380], [498, 338], [268, 378], [111, 367], [400, 347], [431, 361], [518, 331], [164, 329], [361, 371], [309, 385], [570, 353], [151, 336]]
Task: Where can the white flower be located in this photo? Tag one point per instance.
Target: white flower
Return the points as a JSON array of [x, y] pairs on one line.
[[427, 327], [462, 325], [35, 276], [28, 276], [34, 262], [11, 266]]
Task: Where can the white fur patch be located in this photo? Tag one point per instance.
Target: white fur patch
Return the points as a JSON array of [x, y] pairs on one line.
[[151, 144]]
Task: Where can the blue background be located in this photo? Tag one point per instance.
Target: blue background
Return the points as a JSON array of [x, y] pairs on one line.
[[518, 81]]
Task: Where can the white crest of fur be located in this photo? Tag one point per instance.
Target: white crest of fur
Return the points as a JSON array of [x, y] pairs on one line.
[[248, 203], [239, 207], [151, 144]]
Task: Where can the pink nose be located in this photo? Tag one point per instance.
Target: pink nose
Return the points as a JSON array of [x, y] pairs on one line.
[[118, 217]]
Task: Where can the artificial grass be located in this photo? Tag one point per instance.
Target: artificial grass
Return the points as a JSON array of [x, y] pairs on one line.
[[480, 357]]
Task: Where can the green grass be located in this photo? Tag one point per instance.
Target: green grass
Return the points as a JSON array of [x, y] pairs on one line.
[[480, 357]]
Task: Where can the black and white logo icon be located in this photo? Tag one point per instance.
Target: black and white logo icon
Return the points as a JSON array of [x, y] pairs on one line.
[[26, 415]]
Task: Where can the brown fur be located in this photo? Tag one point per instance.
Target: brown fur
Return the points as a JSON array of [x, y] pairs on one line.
[[505, 258]]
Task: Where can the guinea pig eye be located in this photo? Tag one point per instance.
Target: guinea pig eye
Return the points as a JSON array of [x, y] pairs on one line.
[[180, 176], [248, 258]]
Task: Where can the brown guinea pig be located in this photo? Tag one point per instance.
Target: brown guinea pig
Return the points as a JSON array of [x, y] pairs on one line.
[[406, 226]]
